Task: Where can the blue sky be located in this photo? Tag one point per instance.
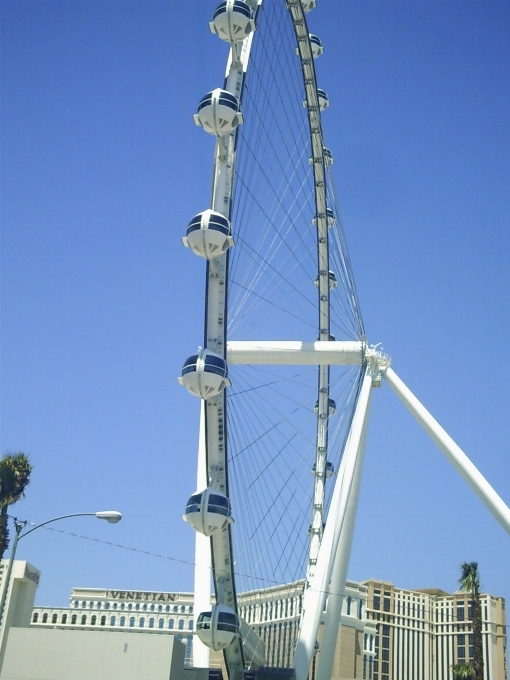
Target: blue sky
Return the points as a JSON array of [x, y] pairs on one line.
[[102, 168]]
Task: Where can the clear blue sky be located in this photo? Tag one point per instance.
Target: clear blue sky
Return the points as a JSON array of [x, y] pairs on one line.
[[102, 168]]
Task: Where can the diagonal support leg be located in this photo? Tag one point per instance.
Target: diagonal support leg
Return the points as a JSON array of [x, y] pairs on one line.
[[315, 595], [340, 566], [454, 453]]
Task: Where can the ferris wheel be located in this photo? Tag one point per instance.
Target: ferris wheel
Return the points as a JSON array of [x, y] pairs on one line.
[[284, 373]]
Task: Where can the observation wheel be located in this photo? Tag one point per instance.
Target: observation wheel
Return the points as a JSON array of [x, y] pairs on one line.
[[284, 372], [276, 259]]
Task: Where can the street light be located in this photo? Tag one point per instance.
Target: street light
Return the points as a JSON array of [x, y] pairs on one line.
[[111, 516]]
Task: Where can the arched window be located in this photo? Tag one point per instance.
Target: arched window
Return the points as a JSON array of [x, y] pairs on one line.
[[190, 624], [183, 609], [35, 617], [122, 620], [54, 618], [141, 623], [107, 605], [144, 607], [122, 605], [191, 610], [64, 618], [130, 606], [115, 605], [181, 624], [76, 603], [45, 618], [132, 622], [112, 620], [103, 620], [83, 619], [167, 608], [73, 619], [98, 605], [152, 607], [160, 608], [176, 608], [137, 606], [83, 604], [161, 623], [151, 623], [171, 624], [93, 620]]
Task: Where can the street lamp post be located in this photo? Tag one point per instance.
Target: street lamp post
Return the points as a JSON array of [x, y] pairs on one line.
[[111, 516]]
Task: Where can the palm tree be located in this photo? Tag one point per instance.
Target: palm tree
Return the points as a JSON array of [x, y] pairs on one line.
[[470, 583], [15, 469], [463, 671]]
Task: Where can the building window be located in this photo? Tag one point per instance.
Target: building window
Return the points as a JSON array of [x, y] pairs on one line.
[[142, 622], [122, 620], [122, 605], [83, 604], [160, 608], [130, 606], [167, 608], [35, 617], [183, 609], [132, 622], [115, 605], [54, 618], [76, 603], [171, 624], [191, 610], [161, 623], [377, 602], [181, 624], [93, 620], [83, 619], [190, 624], [349, 600], [73, 619], [98, 605], [460, 611], [112, 621], [107, 605], [152, 607], [386, 603], [151, 623], [64, 618], [176, 608], [45, 618], [144, 607]]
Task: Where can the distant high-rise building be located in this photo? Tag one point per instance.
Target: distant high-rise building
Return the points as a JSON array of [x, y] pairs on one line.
[[421, 634]]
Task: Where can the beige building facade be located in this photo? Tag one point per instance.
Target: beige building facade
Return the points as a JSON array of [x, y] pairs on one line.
[[421, 634]]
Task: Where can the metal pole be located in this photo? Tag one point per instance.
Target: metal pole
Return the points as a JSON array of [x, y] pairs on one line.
[[454, 453], [19, 527]]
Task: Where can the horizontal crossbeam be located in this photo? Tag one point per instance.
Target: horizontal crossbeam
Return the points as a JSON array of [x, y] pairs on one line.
[[344, 353]]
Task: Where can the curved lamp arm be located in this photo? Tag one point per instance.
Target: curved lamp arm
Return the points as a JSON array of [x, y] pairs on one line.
[[111, 516]]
